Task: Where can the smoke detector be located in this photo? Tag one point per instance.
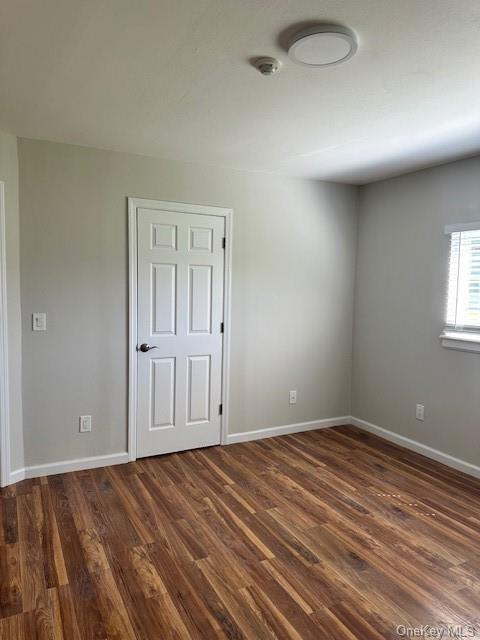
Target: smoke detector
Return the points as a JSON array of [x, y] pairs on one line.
[[267, 66], [323, 45]]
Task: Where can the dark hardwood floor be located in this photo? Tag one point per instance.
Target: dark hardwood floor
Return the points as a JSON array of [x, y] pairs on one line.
[[327, 534]]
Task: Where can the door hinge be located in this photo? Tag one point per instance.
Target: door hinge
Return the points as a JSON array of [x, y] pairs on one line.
[[221, 327], [224, 243], [220, 409]]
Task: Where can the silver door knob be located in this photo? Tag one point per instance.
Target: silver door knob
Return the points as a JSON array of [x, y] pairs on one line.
[[145, 347]]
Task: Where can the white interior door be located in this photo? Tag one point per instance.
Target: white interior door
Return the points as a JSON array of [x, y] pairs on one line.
[[180, 322]]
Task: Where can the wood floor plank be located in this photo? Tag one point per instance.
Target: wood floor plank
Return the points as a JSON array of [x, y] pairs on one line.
[[188, 602], [9, 520], [114, 613], [12, 627], [330, 534], [34, 588], [86, 615], [69, 622], [54, 562], [55, 614], [10, 581], [38, 624]]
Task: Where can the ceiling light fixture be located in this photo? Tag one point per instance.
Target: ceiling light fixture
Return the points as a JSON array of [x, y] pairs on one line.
[[323, 45]]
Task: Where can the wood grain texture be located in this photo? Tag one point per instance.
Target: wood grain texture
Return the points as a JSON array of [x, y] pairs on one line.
[[331, 534]]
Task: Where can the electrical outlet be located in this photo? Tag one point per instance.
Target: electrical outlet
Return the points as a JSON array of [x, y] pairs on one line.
[[420, 413], [85, 424], [292, 397]]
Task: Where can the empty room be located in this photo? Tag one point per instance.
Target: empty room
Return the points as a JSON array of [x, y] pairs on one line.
[[239, 319]]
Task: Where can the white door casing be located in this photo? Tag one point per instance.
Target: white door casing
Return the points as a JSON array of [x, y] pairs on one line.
[[4, 373], [180, 313]]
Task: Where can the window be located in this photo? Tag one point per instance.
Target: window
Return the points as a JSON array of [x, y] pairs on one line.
[[463, 303]]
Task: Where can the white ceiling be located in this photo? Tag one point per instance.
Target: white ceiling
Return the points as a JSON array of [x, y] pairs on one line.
[[172, 79]]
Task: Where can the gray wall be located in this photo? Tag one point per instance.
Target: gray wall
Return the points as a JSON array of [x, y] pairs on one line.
[[292, 303], [400, 307], [9, 175]]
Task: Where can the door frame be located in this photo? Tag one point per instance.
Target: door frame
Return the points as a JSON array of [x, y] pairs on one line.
[[4, 373], [176, 207]]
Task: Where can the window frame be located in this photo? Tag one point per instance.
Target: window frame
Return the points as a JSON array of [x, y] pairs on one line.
[[465, 338]]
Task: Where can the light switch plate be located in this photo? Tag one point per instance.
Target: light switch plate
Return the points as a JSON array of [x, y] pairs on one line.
[[39, 322]]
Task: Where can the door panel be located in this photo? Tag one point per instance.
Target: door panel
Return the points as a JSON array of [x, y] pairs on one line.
[[180, 311], [201, 239], [164, 294], [162, 385], [198, 392], [164, 236], [200, 299]]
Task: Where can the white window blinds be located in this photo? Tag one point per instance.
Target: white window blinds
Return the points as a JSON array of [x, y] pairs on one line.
[[463, 306]]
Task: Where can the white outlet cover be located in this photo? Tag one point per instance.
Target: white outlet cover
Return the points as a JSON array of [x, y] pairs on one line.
[[85, 424]]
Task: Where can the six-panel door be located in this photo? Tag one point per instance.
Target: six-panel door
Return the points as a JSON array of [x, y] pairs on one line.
[[180, 312]]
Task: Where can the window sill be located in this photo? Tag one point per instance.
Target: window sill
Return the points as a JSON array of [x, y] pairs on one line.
[[462, 341]]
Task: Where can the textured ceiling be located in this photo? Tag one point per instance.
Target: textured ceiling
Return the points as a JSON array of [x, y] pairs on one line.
[[172, 79]]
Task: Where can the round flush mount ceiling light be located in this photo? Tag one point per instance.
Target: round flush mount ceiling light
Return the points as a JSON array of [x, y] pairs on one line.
[[323, 45]]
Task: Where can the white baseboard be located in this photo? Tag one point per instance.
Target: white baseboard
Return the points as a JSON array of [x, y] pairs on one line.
[[68, 465], [17, 475], [418, 447], [269, 432], [258, 434]]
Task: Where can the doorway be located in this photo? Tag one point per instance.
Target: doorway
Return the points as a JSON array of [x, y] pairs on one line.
[[179, 326]]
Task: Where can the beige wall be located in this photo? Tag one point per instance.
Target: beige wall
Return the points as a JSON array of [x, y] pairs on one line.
[[292, 303], [9, 175], [291, 238], [400, 304]]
